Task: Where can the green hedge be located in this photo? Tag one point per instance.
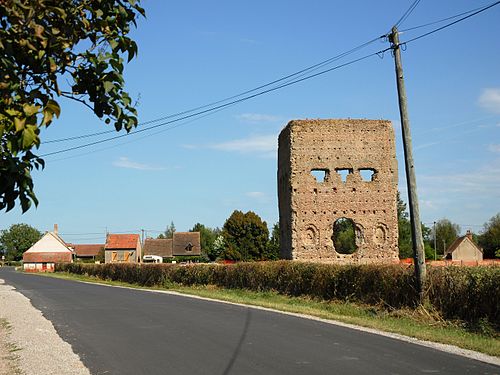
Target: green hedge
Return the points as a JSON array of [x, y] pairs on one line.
[[470, 294]]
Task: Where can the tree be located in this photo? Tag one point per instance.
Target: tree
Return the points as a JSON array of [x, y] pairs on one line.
[[218, 247], [446, 232], [489, 240], [404, 233], [17, 239], [273, 245], [344, 238], [207, 239], [245, 236], [58, 49], [404, 230], [170, 230]]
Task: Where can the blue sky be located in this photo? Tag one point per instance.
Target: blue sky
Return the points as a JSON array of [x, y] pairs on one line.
[[194, 52]]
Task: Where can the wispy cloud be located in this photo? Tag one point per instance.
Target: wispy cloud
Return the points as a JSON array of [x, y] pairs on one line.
[[490, 99], [494, 148], [124, 162], [249, 41], [257, 117], [258, 196], [482, 181], [264, 145]]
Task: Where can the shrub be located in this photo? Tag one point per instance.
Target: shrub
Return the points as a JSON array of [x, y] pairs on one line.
[[468, 293]]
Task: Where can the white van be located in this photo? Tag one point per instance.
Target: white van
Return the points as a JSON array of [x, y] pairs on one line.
[[152, 259]]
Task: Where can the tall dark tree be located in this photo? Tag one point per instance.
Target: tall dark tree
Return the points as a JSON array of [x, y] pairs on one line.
[[404, 233], [446, 233], [49, 50], [207, 238], [273, 245], [245, 236], [170, 230], [17, 239], [489, 240], [404, 230]]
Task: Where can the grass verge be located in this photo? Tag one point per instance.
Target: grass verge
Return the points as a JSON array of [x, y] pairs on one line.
[[418, 323]]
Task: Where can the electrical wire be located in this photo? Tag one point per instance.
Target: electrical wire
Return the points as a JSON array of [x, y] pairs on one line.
[[286, 84], [285, 78], [451, 23], [407, 14], [137, 139], [440, 21], [217, 107]]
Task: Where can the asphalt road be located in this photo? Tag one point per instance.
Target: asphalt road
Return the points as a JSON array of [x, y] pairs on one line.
[[123, 331]]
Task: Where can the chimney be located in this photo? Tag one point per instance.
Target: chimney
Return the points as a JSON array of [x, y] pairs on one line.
[[469, 234], [55, 228]]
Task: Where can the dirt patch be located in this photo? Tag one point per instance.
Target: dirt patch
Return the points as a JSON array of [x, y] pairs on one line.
[[8, 357]]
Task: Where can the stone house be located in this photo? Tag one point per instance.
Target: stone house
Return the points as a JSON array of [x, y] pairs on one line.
[[46, 252], [122, 248], [464, 249]]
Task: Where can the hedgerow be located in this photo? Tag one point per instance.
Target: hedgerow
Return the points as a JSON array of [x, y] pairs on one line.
[[467, 293]]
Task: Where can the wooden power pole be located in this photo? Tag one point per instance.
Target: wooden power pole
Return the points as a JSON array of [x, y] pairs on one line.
[[411, 181]]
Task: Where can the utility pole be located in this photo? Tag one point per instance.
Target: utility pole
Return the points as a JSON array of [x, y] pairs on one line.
[[411, 181], [435, 241]]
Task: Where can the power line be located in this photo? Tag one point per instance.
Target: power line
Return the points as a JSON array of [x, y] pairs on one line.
[[452, 23], [441, 20], [137, 139], [286, 84], [219, 106], [285, 78], [407, 13]]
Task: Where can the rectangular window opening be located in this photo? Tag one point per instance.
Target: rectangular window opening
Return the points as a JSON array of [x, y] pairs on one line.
[[320, 175], [343, 172], [367, 174]]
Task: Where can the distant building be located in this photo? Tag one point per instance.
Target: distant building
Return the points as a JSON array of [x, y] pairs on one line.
[[159, 247], [186, 243], [182, 244], [122, 248], [50, 249], [464, 248], [86, 251]]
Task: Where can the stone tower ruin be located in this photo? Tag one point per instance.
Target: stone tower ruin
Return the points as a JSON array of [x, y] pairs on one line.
[[330, 171]]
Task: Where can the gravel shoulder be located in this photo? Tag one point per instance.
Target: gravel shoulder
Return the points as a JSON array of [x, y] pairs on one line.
[[39, 349]]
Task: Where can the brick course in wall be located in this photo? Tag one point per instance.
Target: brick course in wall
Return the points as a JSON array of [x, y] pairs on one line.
[[309, 208]]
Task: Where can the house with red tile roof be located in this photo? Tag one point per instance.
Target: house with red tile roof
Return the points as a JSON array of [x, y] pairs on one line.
[[86, 251], [46, 252], [122, 248]]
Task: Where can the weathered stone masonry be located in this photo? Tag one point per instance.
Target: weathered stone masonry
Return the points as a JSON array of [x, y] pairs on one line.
[[309, 208]]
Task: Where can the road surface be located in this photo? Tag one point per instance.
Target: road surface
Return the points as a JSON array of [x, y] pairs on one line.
[[124, 331]]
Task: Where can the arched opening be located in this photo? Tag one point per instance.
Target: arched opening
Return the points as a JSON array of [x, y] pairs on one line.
[[345, 236]]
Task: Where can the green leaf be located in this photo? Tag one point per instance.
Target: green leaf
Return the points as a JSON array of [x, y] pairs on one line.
[[19, 123], [53, 107], [108, 86], [29, 137], [30, 109]]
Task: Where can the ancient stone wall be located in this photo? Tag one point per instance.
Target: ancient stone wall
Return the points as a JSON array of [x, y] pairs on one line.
[[313, 156]]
